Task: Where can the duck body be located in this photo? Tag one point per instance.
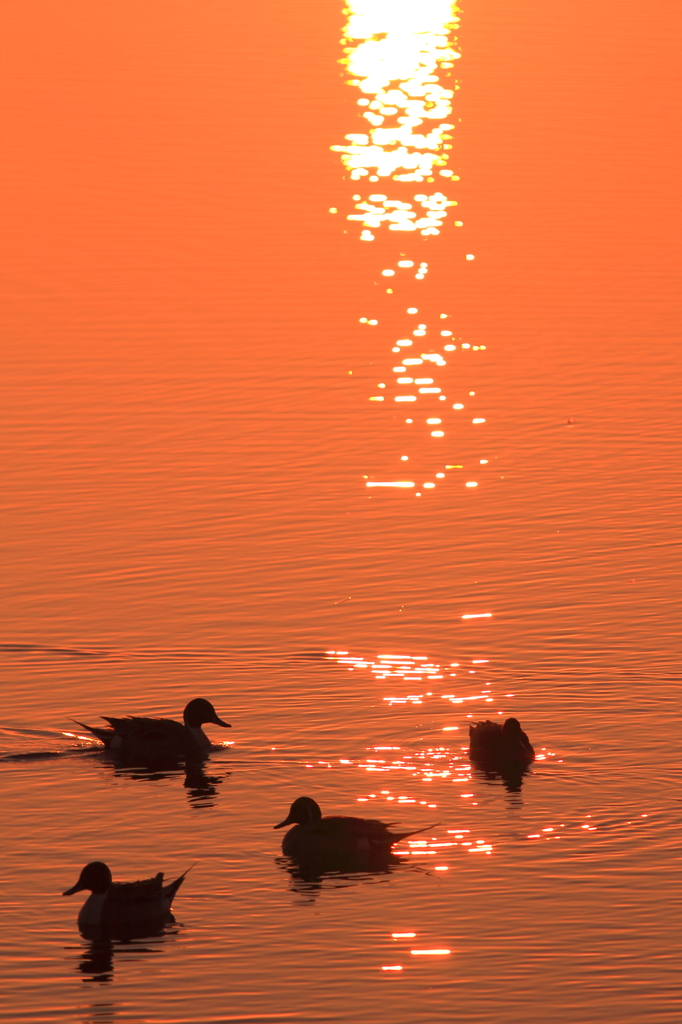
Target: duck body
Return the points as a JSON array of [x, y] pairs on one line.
[[336, 836], [159, 738], [123, 907], [506, 744]]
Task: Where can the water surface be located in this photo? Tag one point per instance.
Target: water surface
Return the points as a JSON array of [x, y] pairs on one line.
[[189, 435]]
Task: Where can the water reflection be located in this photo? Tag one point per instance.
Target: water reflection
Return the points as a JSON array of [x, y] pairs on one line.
[[423, 384], [511, 776], [427, 681], [100, 1013], [95, 959], [403, 943], [401, 58], [461, 684], [398, 55], [309, 876], [200, 786], [583, 826]]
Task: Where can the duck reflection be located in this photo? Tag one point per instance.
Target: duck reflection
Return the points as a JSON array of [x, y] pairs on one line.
[[310, 875], [95, 960], [511, 776], [201, 787]]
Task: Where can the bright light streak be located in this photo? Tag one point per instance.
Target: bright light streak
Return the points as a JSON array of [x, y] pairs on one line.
[[389, 483]]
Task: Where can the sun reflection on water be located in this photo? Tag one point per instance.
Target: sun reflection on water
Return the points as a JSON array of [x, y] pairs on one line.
[[428, 951], [401, 59], [396, 55], [445, 760]]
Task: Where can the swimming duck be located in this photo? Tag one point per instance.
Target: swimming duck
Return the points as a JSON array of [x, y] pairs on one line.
[[116, 905], [315, 836], [505, 744], [156, 738]]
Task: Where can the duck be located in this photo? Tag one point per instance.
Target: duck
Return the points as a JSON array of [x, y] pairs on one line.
[[122, 905], [504, 744], [316, 837], [158, 738]]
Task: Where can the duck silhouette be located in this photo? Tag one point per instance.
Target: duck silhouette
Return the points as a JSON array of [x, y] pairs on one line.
[[336, 836], [156, 739], [140, 907], [506, 745]]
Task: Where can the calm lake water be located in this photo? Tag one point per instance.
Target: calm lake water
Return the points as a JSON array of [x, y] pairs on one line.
[[200, 376]]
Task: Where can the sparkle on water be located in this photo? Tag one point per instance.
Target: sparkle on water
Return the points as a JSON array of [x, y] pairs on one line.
[[214, 485]]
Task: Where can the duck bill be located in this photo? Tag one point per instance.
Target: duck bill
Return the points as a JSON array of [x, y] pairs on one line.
[[283, 824], [219, 721], [74, 888]]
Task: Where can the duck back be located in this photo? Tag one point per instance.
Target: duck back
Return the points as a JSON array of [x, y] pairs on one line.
[[493, 742]]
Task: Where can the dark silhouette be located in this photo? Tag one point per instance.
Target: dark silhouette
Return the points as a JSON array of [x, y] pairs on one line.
[[316, 838], [123, 910], [156, 739]]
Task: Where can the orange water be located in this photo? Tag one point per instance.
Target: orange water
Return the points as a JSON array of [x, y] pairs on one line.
[[189, 437]]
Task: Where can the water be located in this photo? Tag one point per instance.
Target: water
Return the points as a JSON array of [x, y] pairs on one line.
[[187, 510]]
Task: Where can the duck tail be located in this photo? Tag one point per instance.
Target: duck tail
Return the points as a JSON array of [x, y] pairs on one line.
[[399, 836], [170, 890], [100, 733]]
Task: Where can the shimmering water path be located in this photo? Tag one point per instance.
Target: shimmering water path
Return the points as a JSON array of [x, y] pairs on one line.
[[191, 432]]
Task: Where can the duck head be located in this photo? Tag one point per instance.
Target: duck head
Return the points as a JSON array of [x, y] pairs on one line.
[[516, 739], [95, 876], [199, 712], [302, 812]]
